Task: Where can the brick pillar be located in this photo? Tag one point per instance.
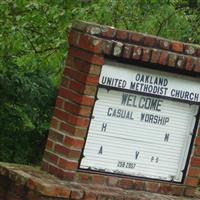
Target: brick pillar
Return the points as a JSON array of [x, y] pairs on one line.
[[73, 108], [89, 44]]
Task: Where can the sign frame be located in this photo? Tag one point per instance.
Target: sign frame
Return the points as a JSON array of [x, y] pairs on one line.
[[102, 172]]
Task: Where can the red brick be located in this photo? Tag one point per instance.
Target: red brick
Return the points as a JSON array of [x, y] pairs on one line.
[[49, 144], [152, 187], [90, 90], [197, 151], [172, 60], [163, 58], [85, 178], [165, 188], [53, 190], [77, 86], [66, 151], [90, 196], [126, 184], [77, 195], [59, 102], [83, 66], [90, 43], [122, 35], [136, 37], [74, 142], [73, 130], [55, 135], [112, 181], [62, 115], [72, 119], [197, 141], [85, 111], [65, 82], [108, 32], [197, 66], [80, 76], [177, 190], [139, 185], [194, 172], [191, 181], [74, 38], [55, 171], [99, 179], [75, 97], [67, 164], [137, 53], [77, 109], [190, 63], [190, 191], [72, 107], [177, 47], [150, 41], [198, 52], [155, 56], [127, 51], [78, 64], [195, 162], [50, 157], [83, 89], [68, 175], [86, 56], [146, 54], [84, 41], [164, 44], [54, 123]]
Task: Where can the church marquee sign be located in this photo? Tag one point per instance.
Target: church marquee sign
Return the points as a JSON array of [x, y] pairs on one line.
[[142, 123]]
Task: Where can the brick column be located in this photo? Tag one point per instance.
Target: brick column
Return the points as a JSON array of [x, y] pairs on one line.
[[89, 44]]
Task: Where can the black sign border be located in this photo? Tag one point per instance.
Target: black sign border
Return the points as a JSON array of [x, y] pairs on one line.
[[120, 175]]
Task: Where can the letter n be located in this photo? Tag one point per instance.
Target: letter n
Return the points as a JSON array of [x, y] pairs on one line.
[[166, 139]]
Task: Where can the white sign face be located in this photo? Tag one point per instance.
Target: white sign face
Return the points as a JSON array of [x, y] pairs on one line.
[[148, 81], [139, 135]]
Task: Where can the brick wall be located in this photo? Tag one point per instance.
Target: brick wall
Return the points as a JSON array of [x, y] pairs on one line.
[[89, 45]]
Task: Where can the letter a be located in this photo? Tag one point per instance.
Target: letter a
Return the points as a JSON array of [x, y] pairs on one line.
[[101, 150]]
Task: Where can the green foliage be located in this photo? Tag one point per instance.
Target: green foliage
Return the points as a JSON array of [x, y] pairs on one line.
[[33, 47]]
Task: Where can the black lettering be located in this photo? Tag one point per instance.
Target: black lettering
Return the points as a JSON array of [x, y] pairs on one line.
[[104, 126], [137, 77], [101, 150], [166, 139], [124, 98], [109, 112], [196, 97], [136, 155], [132, 86]]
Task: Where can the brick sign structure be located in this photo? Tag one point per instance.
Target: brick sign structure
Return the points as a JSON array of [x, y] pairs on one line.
[[127, 112]]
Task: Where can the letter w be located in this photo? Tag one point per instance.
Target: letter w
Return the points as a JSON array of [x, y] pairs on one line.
[[124, 98]]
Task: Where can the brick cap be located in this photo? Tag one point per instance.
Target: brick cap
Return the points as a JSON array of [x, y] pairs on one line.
[[49, 186], [133, 37]]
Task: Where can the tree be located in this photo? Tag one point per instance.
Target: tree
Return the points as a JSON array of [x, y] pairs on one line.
[[33, 48]]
